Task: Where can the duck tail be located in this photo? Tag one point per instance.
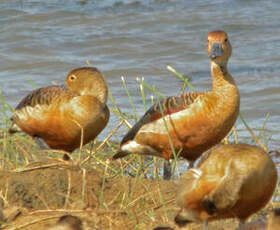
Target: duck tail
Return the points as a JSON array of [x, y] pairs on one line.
[[120, 154], [14, 128]]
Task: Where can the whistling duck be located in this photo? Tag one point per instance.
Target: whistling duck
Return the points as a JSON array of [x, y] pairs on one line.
[[271, 223], [234, 180], [67, 222], [62, 115], [195, 121]]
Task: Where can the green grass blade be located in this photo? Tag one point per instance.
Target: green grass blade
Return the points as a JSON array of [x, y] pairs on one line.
[[180, 76]]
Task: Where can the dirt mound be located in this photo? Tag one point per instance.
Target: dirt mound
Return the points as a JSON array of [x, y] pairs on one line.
[[38, 195], [46, 193]]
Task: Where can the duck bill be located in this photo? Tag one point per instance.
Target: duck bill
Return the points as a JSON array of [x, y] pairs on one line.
[[216, 50]]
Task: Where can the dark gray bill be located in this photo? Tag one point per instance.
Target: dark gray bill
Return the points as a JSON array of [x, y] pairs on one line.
[[216, 50]]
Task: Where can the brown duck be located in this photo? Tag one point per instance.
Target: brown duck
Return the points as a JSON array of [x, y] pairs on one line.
[[195, 121], [235, 180], [62, 115]]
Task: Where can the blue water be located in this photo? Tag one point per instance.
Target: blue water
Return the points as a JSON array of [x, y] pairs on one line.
[[44, 40]]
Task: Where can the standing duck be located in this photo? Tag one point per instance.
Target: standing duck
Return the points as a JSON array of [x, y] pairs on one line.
[[234, 180], [195, 121], [65, 116]]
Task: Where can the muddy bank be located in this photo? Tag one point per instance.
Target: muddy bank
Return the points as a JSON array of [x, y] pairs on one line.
[[43, 193], [102, 202]]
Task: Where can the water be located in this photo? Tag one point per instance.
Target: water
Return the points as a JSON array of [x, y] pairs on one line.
[[44, 40]]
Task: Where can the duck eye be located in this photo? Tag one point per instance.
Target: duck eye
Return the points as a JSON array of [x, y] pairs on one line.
[[226, 40], [72, 77]]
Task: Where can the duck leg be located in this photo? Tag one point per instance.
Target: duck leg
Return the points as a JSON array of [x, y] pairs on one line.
[[43, 146], [205, 225], [191, 164], [41, 143], [166, 170], [241, 223]]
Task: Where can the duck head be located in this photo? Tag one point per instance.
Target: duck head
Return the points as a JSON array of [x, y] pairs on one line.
[[190, 199], [87, 81], [218, 47]]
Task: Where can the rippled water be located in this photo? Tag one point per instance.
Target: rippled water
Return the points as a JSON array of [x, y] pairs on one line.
[[43, 40]]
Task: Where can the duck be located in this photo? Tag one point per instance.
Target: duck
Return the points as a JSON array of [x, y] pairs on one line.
[[194, 121], [233, 181], [67, 222], [65, 117], [272, 222]]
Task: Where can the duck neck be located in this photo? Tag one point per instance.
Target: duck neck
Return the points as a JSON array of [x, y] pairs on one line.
[[221, 77]]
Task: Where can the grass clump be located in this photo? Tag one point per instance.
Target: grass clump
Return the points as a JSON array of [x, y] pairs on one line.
[[105, 194]]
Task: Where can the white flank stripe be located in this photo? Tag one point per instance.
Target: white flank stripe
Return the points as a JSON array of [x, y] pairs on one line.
[[130, 145], [134, 147], [196, 173]]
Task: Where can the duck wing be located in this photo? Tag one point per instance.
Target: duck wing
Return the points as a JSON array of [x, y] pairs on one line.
[[165, 107], [43, 96]]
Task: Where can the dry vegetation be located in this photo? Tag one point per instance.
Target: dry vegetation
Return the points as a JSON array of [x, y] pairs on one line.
[[36, 187]]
